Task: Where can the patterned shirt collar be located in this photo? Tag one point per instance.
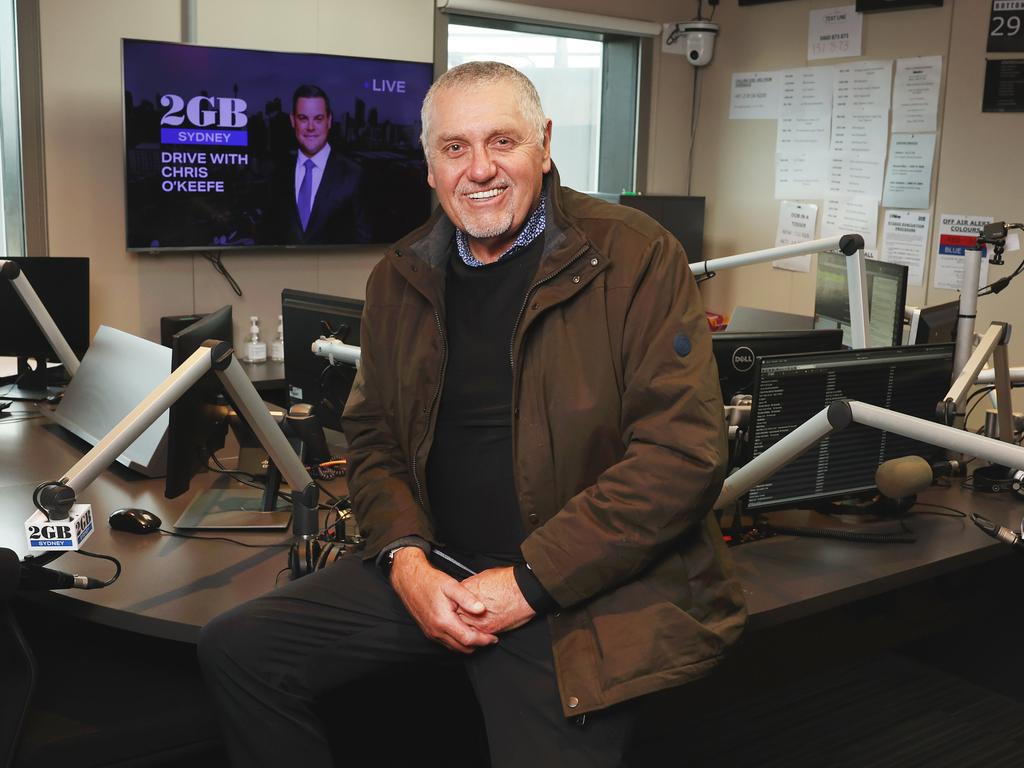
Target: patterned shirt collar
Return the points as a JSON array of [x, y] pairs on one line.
[[531, 231]]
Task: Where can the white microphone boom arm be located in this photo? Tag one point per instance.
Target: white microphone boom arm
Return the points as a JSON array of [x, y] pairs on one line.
[[851, 246], [37, 309], [839, 415]]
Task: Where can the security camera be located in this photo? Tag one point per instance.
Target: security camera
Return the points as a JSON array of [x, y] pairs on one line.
[[699, 41]]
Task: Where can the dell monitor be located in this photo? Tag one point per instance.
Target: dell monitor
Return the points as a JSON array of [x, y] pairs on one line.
[[197, 429], [936, 324], [790, 389], [682, 215], [310, 379], [736, 353], [62, 284], [887, 298]]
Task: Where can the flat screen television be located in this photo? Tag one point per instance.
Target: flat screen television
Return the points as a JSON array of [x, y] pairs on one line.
[[217, 139]]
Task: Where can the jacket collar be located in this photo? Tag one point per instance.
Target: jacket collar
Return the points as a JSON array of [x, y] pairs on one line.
[[429, 244]]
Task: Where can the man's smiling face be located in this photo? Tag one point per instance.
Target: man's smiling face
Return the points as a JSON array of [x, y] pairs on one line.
[[487, 164]]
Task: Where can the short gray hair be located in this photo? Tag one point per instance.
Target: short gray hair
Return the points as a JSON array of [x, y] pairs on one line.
[[476, 73]]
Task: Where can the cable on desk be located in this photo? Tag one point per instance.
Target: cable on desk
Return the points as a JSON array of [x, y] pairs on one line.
[[241, 476], [956, 512], [111, 558], [282, 544], [838, 533], [9, 420]]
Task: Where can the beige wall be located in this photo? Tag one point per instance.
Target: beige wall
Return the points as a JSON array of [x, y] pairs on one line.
[[83, 148], [977, 165], [976, 168], [734, 159]]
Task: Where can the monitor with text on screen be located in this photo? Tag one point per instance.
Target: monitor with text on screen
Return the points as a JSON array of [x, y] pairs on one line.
[[790, 389], [887, 298], [736, 353]]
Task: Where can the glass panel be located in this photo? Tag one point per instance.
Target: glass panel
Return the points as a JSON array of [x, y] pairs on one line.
[[567, 74], [12, 225]]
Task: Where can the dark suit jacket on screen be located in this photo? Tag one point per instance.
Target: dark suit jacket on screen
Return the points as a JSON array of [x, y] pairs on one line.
[[338, 216]]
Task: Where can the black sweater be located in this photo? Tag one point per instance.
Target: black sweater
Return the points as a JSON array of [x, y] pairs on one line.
[[470, 469]]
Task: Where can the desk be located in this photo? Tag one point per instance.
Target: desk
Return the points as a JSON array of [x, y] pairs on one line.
[[786, 578], [172, 586]]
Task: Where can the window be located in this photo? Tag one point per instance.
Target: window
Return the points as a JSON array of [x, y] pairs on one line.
[[12, 227], [588, 84]]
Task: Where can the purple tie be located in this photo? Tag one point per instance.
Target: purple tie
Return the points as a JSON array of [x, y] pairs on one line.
[[306, 193]]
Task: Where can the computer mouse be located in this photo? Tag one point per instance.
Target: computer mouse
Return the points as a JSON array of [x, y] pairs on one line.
[[134, 520]]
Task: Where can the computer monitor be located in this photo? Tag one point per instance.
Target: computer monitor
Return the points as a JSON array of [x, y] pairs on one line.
[[789, 389], [887, 298], [310, 379], [198, 419], [62, 284], [736, 353], [197, 429], [936, 324], [682, 215]]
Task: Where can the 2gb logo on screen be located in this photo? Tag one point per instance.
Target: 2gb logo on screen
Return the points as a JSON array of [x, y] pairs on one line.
[[204, 120]]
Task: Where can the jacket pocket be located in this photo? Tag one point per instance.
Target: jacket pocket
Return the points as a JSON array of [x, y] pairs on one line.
[[644, 627]]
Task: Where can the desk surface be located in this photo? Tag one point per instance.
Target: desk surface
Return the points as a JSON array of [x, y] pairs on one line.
[[171, 586], [786, 577]]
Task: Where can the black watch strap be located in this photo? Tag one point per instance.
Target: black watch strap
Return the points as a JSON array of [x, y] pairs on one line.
[[386, 558]]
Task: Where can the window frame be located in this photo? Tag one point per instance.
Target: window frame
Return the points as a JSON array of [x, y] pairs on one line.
[[617, 171]]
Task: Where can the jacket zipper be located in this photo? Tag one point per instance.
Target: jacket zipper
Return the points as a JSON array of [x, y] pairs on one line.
[[512, 344], [430, 411], [526, 300]]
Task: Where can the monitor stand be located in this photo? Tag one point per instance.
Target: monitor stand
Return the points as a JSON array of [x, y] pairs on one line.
[[233, 508], [227, 506]]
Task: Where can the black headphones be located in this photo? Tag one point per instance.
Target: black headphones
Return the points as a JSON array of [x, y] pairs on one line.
[[996, 479], [308, 554]]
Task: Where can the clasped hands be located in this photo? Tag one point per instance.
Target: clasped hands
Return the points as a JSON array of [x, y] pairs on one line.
[[462, 616]]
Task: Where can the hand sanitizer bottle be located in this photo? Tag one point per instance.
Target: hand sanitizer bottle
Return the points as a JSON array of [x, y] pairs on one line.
[[277, 347], [255, 350]]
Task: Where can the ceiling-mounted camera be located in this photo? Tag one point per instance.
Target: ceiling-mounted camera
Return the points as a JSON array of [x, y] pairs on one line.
[[698, 40]]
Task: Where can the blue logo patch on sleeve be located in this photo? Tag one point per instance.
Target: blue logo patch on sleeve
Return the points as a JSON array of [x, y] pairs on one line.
[[682, 344]]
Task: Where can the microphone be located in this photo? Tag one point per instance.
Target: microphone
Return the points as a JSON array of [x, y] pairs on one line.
[[909, 475], [998, 532], [17, 575]]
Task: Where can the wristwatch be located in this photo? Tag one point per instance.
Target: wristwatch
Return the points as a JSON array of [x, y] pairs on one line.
[[388, 560]]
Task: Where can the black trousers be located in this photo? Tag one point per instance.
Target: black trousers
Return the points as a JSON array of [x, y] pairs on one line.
[[269, 662]]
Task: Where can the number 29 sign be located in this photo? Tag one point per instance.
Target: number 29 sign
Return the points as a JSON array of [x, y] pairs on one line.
[[1006, 26]]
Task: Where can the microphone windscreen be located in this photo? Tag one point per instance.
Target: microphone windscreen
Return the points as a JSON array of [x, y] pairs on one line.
[[10, 573], [905, 476]]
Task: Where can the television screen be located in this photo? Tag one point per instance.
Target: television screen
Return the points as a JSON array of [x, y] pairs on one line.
[[228, 148]]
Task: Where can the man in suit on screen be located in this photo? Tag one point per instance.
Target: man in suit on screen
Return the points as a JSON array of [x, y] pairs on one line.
[[317, 200]]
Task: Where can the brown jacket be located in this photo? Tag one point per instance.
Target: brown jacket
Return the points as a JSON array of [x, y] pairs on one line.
[[618, 441]]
